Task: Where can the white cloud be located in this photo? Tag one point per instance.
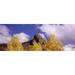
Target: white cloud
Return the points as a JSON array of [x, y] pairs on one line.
[[63, 32], [22, 36], [48, 29], [4, 30], [4, 34], [69, 47]]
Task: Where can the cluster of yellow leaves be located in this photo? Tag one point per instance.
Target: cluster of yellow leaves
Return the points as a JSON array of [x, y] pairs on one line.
[[35, 46], [54, 44], [14, 44]]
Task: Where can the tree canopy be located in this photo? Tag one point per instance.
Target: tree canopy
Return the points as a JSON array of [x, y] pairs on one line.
[[15, 44]]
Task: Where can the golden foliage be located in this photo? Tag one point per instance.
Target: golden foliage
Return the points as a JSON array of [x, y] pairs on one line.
[[54, 44], [14, 45], [38, 44], [35, 47]]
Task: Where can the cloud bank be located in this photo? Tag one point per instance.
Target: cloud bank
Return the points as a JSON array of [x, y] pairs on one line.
[[23, 37], [4, 34], [69, 47], [64, 32]]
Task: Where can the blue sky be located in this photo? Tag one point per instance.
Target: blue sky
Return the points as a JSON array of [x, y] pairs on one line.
[[65, 32], [29, 29]]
